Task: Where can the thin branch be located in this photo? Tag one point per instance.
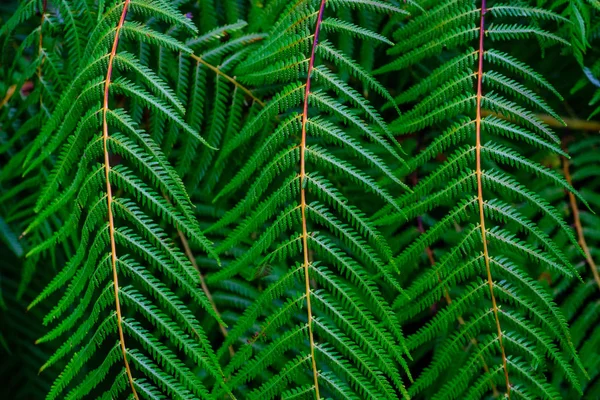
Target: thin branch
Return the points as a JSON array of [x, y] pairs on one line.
[[303, 196], [218, 71], [572, 123], [190, 256], [109, 197], [480, 194], [578, 227], [8, 95]]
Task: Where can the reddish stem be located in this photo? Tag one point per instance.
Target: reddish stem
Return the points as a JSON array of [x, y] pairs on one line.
[[303, 196]]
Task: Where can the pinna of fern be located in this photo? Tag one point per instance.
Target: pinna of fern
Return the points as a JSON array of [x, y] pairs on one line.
[[585, 38], [217, 105], [116, 183], [325, 265], [25, 88], [592, 79], [33, 75], [223, 115], [19, 330], [579, 300], [490, 326]]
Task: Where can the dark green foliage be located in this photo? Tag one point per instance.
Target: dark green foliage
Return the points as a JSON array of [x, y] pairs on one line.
[[345, 199]]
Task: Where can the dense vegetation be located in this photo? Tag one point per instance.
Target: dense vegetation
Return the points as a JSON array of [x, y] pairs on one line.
[[260, 199]]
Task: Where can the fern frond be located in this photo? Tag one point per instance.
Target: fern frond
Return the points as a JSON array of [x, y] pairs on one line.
[[487, 239], [132, 246], [333, 239]]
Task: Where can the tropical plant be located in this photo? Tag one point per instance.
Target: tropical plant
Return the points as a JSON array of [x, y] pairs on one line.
[[346, 199]]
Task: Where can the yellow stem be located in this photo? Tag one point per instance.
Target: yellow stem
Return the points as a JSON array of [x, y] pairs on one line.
[[480, 194], [190, 256], [111, 223], [9, 93], [306, 263], [218, 71]]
